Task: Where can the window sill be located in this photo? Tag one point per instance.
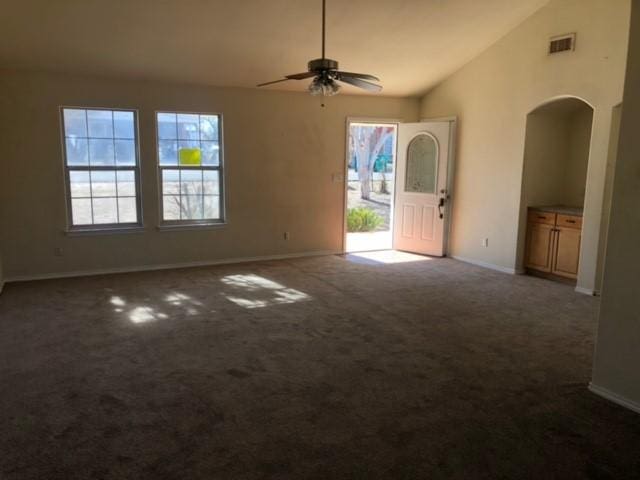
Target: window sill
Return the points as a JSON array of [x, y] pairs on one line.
[[88, 232], [191, 226]]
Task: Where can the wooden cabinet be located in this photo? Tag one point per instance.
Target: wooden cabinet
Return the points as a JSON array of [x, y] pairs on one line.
[[540, 242], [567, 252], [546, 218], [553, 243]]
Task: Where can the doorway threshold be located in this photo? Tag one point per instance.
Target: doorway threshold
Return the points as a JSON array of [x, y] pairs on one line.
[[385, 257], [368, 241]]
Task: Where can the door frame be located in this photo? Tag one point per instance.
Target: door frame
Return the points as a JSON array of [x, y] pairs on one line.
[[448, 207], [345, 171]]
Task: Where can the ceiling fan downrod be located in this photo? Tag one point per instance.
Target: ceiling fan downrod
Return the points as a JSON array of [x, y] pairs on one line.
[[324, 22], [325, 74]]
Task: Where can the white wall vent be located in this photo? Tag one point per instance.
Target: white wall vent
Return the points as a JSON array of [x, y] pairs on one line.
[[562, 43]]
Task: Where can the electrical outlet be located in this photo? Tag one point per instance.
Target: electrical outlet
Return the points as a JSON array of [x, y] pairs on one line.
[[485, 242], [287, 236], [57, 251]]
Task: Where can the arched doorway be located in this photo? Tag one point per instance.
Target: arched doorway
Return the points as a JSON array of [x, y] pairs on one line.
[[556, 159]]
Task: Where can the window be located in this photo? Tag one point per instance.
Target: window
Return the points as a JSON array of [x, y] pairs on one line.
[[102, 168], [422, 165], [190, 162]]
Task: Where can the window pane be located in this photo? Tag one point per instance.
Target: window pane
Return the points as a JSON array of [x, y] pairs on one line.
[[81, 211], [170, 182], [211, 182], [77, 151], [210, 153], [422, 165], [211, 206], [189, 153], [101, 152], [79, 184], [103, 184], [167, 128], [191, 182], [123, 125], [105, 210], [75, 123], [188, 144], [171, 207], [127, 210], [125, 152], [100, 123], [168, 152], [191, 206], [209, 127], [126, 183], [188, 127]]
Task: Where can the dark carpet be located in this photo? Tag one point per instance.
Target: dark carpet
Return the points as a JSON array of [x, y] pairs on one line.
[[374, 367]]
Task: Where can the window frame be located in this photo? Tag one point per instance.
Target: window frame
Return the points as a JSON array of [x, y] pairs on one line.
[[191, 224], [102, 228]]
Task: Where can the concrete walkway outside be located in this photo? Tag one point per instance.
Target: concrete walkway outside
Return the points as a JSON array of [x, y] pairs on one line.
[[368, 241]]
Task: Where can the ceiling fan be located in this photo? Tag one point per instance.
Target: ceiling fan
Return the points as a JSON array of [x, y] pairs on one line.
[[326, 75]]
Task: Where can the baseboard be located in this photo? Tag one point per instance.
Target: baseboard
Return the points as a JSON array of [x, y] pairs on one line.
[[615, 398], [511, 271], [586, 291], [168, 266]]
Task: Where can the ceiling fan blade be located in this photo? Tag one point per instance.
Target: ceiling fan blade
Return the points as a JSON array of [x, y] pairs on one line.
[[275, 81], [356, 82], [301, 76], [364, 76]]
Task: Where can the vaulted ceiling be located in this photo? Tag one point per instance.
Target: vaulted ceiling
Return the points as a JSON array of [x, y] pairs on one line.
[[410, 44]]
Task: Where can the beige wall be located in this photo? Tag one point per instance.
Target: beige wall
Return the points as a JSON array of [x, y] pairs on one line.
[[608, 189], [492, 96], [546, 154], [617, 358], [281, 150], [575, 175]]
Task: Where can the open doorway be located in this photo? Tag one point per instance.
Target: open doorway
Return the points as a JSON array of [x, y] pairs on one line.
[[371, 165], [557, 149]]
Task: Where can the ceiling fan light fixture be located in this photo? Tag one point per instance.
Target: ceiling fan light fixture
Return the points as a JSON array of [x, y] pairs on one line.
[[325, 87], [333, 88], [315, 87]]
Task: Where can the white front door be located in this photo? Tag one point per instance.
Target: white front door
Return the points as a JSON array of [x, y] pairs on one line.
[[420, 213]]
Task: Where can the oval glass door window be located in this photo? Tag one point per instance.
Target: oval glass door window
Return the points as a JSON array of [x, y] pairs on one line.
[[422, 165]]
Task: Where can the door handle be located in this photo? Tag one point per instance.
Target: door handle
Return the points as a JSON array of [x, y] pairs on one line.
[[440, 205]]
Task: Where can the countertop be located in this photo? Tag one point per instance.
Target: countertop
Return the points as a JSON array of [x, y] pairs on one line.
[[561, 209]]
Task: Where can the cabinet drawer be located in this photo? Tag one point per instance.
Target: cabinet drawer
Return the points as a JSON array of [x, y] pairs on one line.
[[569, 221], [547, 218]]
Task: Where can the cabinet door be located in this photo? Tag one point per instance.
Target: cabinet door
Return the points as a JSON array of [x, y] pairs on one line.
[[567, 252], [539, 246]]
